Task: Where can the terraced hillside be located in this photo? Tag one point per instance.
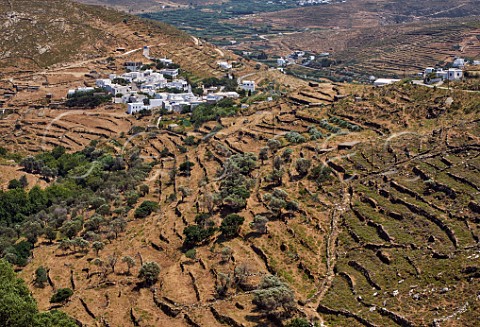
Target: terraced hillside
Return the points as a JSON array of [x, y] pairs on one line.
[[409, 48], [37, 130], [384, 38], [365, 13], [148, 5], [369, 203], [67, 32]]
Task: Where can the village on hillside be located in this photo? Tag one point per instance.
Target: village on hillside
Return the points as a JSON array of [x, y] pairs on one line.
[[144, 87]]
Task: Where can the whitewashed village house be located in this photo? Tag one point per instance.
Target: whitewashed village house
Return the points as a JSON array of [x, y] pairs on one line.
[[248, 86]]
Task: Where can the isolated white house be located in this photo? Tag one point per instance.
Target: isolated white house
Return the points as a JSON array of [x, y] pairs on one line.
[[385, 81], [80, 90], [224, 65], [454, 74], [281, 62], [248, 86], [458, 63]]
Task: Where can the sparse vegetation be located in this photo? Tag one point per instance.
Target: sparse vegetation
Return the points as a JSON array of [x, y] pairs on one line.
[[389, 221], [145, 209], [230, 226], [61, 295], [149, 272]]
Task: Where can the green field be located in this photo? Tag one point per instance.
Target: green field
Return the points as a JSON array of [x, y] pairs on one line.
[[208, 22]]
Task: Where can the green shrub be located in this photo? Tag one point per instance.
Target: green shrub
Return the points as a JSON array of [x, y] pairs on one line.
[[196, 235], [191, 254], [87, 100], [61, 295], [149, 272], [145, 209], [40, 277], [230, 226]]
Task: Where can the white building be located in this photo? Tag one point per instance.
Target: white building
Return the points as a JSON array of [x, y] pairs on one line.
[[441, 74], [175, 106], [248, 86], [156, 103], [166, 61], [224, 65], [476, 62], [454, 74], [116, 89], [281, 62], [385, 81], [299, 53], [170, 72], [103, 82], [136, 107], [458, 63], [215, 97], [79, 90], [156, 79], [146, 52], [178, 84], [133, 66]]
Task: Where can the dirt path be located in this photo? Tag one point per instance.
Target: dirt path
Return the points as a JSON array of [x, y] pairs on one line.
[[220, 52], [195, 40], [240, 79], [332, 236], [438, 86]]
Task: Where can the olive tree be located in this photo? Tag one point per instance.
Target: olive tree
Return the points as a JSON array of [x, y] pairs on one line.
[[274, 145], [230, 226], [224, 282], [273, 294], [130, 263], [302, 166], [40, 277], [259, 224], [149, 272], [97, 246], [112, 261], [263, 154]]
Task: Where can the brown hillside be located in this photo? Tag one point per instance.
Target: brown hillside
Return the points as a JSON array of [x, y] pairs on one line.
[[390, 229], [148, 5], [377, 37], [69, 32]]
